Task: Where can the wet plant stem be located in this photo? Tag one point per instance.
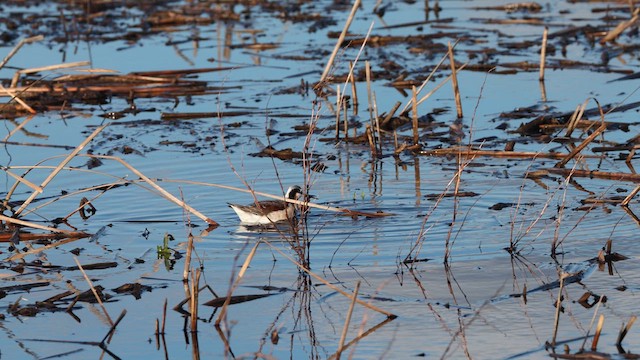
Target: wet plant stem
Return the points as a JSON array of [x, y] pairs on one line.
[[347, 321]]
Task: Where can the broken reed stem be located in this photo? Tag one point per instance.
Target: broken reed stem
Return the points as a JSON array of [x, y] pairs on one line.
[[18, 46], [15, 97], [26, 182], [582, 145], [162, 191], [354, 91], [164, 316], [558, 304], [631, 195], [328, 284], [193, 306], [107, 337], [327, 68], [60, 166], [593, 319], [543, 52], [622, 26], [345, 328], [596, 336], [243, 269], [16, 76], [369, 133], [187, 261], [338, 108], [378, 132], [625, 330], [426, 81], [367, 72], [38, 226], [414, 113], [454, 81], [575, 118], [40, 249], [424, 98], [346, 119], [93, 290]]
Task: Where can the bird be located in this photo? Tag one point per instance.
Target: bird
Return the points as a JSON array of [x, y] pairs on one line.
[[268, 211]]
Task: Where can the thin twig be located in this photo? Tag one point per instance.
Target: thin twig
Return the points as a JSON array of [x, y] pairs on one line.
[[345, 328], [343, 34], [93, 290], [60, 166]]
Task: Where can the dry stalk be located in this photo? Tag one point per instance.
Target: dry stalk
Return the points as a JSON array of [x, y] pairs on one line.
[[580, 147], [193, 305], [558, 305], [16, 76], [414, 113], [164, 316], [345, 328], [93, 290], [34, 187], [543, 52], [377, 128], [622, 26], [367, 72], [18, 46], [15, 97], [593, 319], [441, 84], [362, 336], [596, 336], [625, 330], [354, 91], [472, 152], [575, 118], [345, 114], [426, 81], [243, 269], [454, 82], [338, 109], [60, 166], [187, 261], [162, 191], [629, 197], [38, 226], [343, 34]]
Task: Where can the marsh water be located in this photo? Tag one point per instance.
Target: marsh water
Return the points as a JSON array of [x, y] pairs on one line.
[[469, 276]]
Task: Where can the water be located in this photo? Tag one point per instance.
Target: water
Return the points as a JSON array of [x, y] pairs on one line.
[[442, 311]]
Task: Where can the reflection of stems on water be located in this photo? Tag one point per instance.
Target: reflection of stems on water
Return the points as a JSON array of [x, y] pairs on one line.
[[304, 314]]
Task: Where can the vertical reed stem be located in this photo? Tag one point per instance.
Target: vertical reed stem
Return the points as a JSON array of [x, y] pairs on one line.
[[346, 119], [558, 305], [414, 111], [187, 260], [347, 320], [596, 336], [543, 52], [454, 82], [354, 91], [338, 108]]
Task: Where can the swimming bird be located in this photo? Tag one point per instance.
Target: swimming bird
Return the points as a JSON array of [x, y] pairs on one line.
[[268, 211]]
